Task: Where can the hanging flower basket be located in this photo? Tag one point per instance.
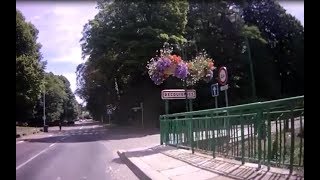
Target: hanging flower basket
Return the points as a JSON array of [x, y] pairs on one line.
[[199, 68]]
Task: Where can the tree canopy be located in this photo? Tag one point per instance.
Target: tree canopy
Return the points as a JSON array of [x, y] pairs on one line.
[[32, 82], [29, 68], [123, 36]]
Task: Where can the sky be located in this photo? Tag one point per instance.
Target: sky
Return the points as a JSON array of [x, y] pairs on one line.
[[60, 25]]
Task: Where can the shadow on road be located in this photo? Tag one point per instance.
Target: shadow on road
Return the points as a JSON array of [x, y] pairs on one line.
[[85, 134], [117, 160]]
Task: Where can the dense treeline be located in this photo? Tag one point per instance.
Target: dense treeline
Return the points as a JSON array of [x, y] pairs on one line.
[[124, 35], [32, 81]]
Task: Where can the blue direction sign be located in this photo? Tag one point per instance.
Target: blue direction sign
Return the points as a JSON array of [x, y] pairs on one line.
[[215, 90]]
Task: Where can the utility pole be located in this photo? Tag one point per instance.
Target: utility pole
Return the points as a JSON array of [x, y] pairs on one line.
[[44, 108]]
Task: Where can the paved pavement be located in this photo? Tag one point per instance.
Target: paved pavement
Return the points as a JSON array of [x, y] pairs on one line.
[[165, 162], [84, 151]]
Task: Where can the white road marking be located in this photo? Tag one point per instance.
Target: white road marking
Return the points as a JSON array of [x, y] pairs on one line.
[[58, 178], [52, 144], [81, 127], [21, 165], [19, 142]]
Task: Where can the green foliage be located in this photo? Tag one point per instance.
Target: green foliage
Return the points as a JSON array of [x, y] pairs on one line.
[[285, 37], [123, 36], [29, 68], [120, 40], [60, 102]]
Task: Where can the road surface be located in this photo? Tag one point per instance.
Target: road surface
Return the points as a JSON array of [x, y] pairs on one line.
[[83, 152]]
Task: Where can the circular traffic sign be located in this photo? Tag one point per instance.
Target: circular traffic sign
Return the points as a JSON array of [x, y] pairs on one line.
[[223, 76]]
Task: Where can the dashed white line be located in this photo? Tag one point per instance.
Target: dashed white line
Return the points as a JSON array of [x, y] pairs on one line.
[[21, 165], [81, 127], [52, 144]]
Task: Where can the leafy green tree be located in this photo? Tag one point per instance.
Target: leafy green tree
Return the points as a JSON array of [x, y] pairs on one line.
[[29, 68], [70, 105], [285, 37], [120, 40]]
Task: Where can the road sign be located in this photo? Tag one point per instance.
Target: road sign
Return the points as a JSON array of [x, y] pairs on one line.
[[225, 87], [109, 111], [215, 90], [223, 76], [178, 94]]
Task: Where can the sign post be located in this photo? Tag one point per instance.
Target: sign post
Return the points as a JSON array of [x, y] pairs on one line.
[[170, 94], [109, 112], [223, 79], [215, 93]]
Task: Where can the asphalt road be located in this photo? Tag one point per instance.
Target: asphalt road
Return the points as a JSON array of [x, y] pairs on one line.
[[84, 152]]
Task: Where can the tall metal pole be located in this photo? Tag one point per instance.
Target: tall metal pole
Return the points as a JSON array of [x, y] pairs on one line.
[[226, 96], [253, 83], [44, 106], [185, 80], [216, 101], [141, 106]]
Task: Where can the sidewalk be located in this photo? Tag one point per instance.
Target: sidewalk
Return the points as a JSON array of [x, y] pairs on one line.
[[166, 162]]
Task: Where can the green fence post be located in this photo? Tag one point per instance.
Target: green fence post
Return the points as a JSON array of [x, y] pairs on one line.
[[260, 129], [292, 140], [269, 138], [191, 134], [213, 140], [242, 139], [166, 106]]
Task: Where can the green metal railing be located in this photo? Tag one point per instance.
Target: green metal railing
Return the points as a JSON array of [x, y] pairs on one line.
[[269, 133]]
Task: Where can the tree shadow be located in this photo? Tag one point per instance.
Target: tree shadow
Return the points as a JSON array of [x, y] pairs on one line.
[[231, 169], [117, 160]]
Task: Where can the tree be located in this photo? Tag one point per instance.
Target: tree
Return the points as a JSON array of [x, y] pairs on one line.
[[29, 68], [70, 105], [285, 37], [123, 36], [55, 96], [120, 40]]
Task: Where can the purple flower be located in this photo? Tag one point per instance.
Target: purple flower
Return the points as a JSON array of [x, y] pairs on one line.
[[181, 71], [163, 63]]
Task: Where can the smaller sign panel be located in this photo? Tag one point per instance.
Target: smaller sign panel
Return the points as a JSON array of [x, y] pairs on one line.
[[178, 94], [215, 90]]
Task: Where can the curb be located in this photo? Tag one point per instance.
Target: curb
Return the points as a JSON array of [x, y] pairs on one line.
[[137, 171]]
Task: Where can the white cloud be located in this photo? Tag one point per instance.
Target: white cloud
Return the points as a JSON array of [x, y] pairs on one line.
[[295, 8], [72, 55], [60, 25]]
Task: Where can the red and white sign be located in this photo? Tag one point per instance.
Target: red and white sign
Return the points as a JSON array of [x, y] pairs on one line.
[[178, 94], [223, 76]]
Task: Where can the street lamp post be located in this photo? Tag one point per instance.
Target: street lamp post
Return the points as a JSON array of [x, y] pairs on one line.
[[253, 84], [140, 108], [44, 108]]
